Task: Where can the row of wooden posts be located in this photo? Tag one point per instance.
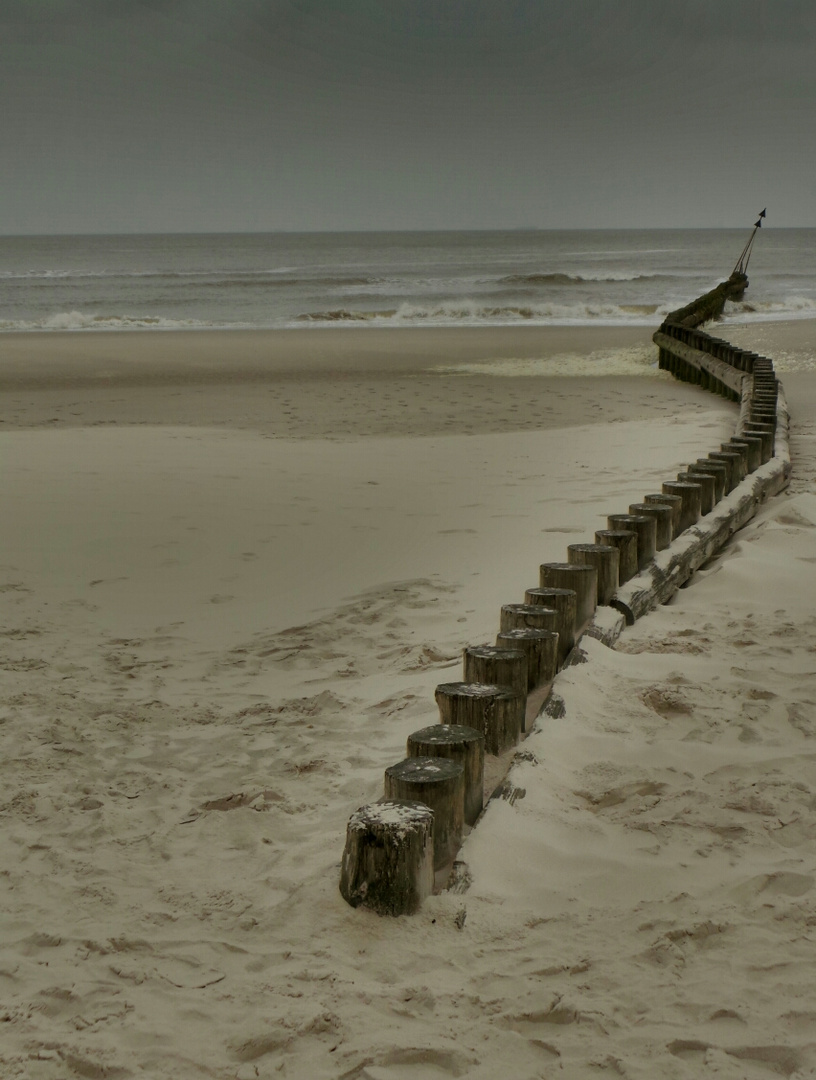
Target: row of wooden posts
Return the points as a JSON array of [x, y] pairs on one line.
[[396, 849]]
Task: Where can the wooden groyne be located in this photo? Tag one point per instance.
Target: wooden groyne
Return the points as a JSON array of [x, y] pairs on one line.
[[392, 852], [710, 305], [760, 444]]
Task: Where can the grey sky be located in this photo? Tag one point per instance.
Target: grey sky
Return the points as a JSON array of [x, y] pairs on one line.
[[128, 115]]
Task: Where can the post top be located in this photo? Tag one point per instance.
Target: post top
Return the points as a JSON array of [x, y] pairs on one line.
[[531, 609], [546, 590], [425, 770], [446, 734], [403, 814], [477, 690], [493, 652], [523, 633]]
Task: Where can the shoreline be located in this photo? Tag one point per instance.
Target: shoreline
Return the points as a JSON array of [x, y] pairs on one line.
[[29, 360], [356, 383]]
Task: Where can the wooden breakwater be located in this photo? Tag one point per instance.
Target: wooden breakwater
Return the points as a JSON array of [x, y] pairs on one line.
[[399, 848], [745, 377], [710, 305]]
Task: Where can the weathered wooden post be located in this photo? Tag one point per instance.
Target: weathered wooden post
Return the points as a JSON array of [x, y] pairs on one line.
[[730, 448], [496, 711], [438, 783], [565, 604], [764, 414], [707, 487], [457, 743], [715, 469], [583, 580], [606, 561], [388, 861], [499, 667], [672, 501], [730, 462], [625, 540], [753, 446], [765, 432], [528, 617], [645, 529], [661, 514], [540, 648], [690, 507], [735, 460]]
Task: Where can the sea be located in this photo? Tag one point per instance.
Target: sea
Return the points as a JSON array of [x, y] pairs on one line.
[[165, 282]]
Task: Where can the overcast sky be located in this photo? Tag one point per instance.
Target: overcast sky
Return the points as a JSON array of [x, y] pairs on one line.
[[220, 115]]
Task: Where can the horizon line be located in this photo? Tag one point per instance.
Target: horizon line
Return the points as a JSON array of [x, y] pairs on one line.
[[375, 231]]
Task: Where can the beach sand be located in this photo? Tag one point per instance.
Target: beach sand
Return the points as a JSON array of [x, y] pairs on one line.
[[234, 568]]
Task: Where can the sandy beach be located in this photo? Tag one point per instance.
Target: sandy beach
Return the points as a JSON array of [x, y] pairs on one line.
[[234, 568]]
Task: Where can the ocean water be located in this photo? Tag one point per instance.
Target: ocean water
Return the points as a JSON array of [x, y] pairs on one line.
[[255, 280]]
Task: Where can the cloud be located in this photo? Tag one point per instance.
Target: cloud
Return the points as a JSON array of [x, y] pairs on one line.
[[321, 113]]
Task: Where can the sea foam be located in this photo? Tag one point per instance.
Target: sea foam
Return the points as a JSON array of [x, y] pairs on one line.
[[629, 360], [80, 320]]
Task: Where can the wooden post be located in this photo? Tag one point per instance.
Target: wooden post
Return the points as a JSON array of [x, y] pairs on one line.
[[606, 561], [541, 649], [765, 432], [753, 445], [499, 667], [458, 743], [496, 711], [528, 617], [583, 580], [661, 514], [735, 460], [673, 501], [625, 540], [731, 464], [730, 448], [565, 604], [764, 414], [388, 861], [707, 486], [690, 508], [713, 468], [438, 783], [645, 529]]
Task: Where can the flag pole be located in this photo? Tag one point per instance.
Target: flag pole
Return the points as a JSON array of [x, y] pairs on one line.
[[742, 261]]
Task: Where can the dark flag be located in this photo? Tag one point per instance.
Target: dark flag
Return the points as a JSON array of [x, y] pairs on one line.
[[763, 212], [759, 223]]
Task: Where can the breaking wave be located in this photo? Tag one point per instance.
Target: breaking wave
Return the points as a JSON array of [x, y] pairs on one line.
[[575, 279], [344, 315], [79, 320], [441, 313], [473, 313], [203, 279], [792, 307]]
